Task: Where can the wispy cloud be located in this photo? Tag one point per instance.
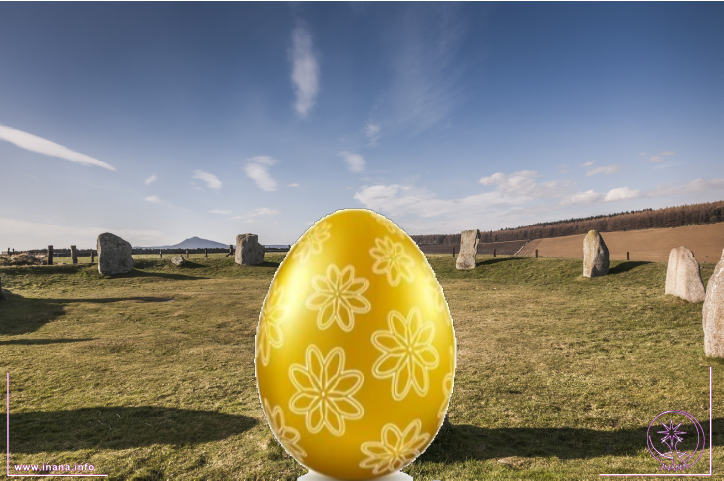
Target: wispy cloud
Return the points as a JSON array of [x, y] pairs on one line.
[[219, 211], [588, 164], [257, 169], [372, 132], [523, 183], [258, 212], [355, 162], [609, 169], [427, 85], [694, 186], [154, 199], [659, 157], [212, 182], [150, 180], [37, 144], [591, 197], [293, 185], [305, 71]]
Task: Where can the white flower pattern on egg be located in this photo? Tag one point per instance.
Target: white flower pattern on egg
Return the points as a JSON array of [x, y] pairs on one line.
[[270, 333], [396, 448], [338, 297], [287, 436], [391, 260], [447, 385], [325, 391], [311, 242], [407, 353]]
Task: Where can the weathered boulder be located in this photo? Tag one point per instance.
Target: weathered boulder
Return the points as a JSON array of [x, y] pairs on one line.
[[178, 260], [713, 312], [114, 255], [468, 249], [595, 255], [248, 250], [683, 276]]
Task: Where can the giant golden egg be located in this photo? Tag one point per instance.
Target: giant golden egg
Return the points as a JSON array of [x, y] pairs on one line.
[[355, 348]]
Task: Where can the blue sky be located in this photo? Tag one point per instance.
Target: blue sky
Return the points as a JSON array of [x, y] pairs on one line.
[[164, 121]]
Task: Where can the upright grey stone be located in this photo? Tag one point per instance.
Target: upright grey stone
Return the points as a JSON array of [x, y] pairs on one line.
[[468, 249], [114, 255], [248, 250], [73, 255], [683, 276], [595, 255], [713, 312]]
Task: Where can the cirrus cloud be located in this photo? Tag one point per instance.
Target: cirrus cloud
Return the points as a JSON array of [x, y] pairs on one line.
[[37, 144], [257, 169], [212, 182]]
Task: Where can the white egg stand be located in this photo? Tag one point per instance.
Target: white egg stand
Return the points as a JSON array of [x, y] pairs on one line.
[[315, 476]]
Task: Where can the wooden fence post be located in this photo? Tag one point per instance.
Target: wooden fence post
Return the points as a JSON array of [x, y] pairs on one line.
[[73, 255], [93, 257], [187, 253], [50, 255], [627, 256], [536, 253], [494, 252], [206, 252]]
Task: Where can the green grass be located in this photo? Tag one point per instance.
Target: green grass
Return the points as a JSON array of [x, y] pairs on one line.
[[150, 375]]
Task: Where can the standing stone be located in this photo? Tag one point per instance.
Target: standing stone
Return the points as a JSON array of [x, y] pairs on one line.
[[468, 248], [178, 260], [114, 255], [73, 255], [248, 250], [160, 253], [595, 255], [713, 312], [683, 276]]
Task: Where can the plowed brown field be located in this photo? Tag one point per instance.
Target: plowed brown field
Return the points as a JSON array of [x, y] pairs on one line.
[[705, 241]]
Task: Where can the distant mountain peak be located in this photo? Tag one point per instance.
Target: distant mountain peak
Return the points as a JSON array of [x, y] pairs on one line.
[[194, 242]]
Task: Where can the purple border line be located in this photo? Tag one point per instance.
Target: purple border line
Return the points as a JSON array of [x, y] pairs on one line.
[[711, 455], [7, 443]]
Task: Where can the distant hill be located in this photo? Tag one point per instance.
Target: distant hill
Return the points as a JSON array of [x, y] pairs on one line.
[[192, 243]]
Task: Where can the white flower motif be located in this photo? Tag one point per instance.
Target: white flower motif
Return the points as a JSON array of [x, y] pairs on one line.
[[447, 385], [435, 292], [325, 391], [396, 450], [269, 333], [407, 353], [387, 223], [287, 436], [311, 242], [390, 259], [338, 297]]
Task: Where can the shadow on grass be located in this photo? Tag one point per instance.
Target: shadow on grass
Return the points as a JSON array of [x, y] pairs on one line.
[[119, 428], [41, 342], [626, 266], [463, 442], [21, 315], [496, 260]]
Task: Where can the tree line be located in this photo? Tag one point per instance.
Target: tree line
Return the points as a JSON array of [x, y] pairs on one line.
[[694, 214]]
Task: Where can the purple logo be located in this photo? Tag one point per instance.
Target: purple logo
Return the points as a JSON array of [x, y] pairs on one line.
[[673, 432]]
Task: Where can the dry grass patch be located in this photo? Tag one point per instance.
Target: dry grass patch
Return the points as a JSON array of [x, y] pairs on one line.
[[150, 375]]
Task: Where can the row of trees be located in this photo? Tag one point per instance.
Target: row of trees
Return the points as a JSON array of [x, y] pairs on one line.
[[694, 214]]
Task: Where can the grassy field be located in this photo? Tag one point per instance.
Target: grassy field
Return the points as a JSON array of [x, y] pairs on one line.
[[150, 375]]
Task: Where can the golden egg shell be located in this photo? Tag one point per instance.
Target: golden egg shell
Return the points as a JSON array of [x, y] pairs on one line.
[[355, 348]]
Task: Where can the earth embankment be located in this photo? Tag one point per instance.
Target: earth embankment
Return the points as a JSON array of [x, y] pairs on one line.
[[705, 241]]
